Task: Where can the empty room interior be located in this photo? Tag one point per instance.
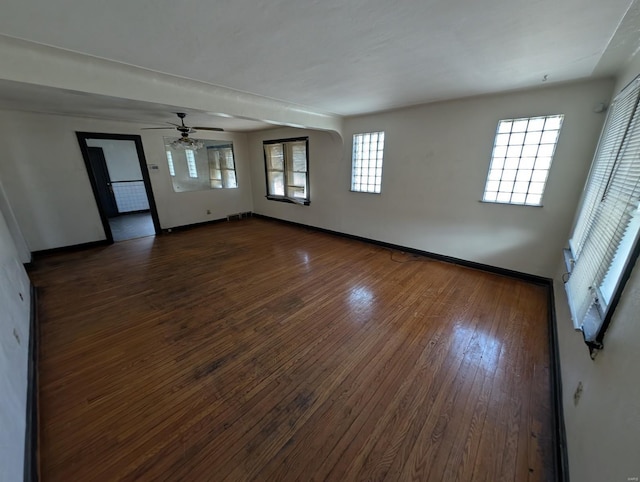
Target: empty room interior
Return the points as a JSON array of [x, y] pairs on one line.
[[319, 240]]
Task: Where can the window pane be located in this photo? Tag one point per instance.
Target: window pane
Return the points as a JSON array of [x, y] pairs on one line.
[[518, 198], [504, 126], [275, 157], [500, 151], [517, 139], [539, 176], [524, 175], [549, 137], [536, 124], [503, 197], [534, 199], [520, 125], [502, 139], [509, 175], [230, 179], [276, 183], [553, 123], [512, 163], [527, 163], [533, 138], [521, 187], [490, 196]]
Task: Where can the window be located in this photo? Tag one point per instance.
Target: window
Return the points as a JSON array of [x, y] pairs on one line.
[[366, 162], [604, 244], [287, 170], [191, 163], [522, 153], [222, 170], [172, 169]]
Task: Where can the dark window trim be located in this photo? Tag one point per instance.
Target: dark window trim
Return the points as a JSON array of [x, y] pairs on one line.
[[272, 197]]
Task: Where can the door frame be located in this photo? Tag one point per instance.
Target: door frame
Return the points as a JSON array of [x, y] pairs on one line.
[[82, 141]]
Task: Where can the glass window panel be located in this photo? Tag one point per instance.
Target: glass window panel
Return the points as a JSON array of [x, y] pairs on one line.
[[546, 150], [191, 163], [530, 150], [230, 179], [299, 154], [553, 123], [172, 169], [503, 197], [534, 199], [276, 183], [549, 137], [509, 175], [504, 126], [536, 187], [520, 125], [216, 183], [506, 186], [521, 187], [495, 174], [518, 198], [524, 175], [502, 139], [517, 138], [500, 151], [533, 138], [497, 163], [299, 179], [536, 124], [514, 151], [490, 196], [543, 163], [539, 175], [527, 163], [512, 163], [493, 185]]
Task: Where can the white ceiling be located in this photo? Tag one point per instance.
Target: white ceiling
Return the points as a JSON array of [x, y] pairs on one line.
[[342, 56]]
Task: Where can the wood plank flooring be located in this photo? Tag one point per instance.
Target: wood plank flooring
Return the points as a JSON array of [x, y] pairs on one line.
[[253, 350]]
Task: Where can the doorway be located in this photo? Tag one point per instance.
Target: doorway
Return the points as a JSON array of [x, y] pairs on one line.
[[120, 181]]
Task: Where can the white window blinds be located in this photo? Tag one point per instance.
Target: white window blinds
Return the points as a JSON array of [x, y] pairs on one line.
[[607, 226]]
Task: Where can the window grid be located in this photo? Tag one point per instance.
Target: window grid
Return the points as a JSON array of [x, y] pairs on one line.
[[522, 154], [191, 163], [366, 165], [172, 169]]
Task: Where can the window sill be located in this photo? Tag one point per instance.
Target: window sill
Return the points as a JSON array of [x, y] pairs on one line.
[[304, 202]]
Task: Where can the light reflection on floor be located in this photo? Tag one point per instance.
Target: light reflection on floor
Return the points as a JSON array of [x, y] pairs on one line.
[[466, 338], [361, 301]]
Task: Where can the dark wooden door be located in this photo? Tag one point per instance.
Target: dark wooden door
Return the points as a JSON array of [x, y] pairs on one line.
[[103, 182]]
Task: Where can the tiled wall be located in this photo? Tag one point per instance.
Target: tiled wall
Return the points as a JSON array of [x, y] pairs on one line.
[[130, 196]]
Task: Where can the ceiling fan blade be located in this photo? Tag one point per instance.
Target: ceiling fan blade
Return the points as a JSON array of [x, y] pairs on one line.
[[218, 129], [149, 128]]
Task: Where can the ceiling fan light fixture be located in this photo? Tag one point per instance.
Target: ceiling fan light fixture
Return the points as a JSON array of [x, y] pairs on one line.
[[187, 143]]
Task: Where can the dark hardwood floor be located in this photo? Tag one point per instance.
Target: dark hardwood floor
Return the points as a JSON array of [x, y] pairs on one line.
[[253, 350]]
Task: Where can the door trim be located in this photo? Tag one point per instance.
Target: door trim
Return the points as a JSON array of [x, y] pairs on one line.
[[82, 141]]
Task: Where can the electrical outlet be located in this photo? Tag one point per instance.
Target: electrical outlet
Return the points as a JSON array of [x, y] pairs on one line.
[[577, 394]]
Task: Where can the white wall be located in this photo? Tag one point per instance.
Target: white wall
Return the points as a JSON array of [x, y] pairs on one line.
[[603, 429], [14, 350], [121, 158], [48, 187], [435, 165]]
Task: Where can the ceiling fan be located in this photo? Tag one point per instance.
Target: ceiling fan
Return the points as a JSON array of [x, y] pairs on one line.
[[186, 142]]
